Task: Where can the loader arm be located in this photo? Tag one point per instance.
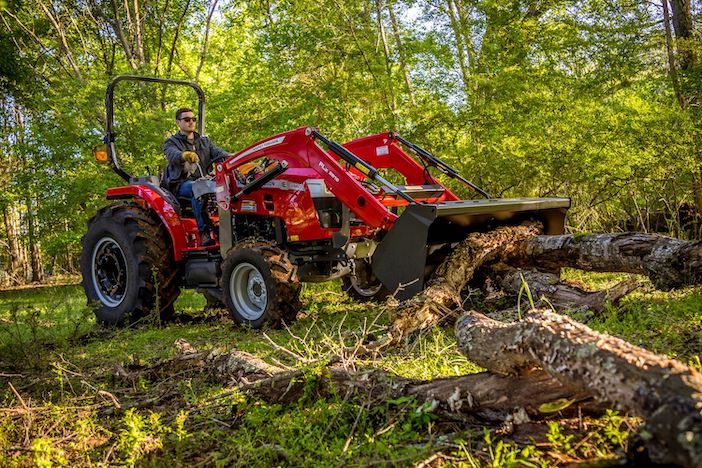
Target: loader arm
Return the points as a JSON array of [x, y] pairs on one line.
[[383, 152], [300, 149]]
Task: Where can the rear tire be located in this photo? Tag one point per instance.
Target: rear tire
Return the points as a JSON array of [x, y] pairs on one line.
[[127, 265], [260, 284], [362, 285]]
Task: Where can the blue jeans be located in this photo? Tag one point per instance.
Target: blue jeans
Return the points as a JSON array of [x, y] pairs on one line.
[[186, 191]]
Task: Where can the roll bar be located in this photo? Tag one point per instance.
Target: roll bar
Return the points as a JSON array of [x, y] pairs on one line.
[[109, 138]]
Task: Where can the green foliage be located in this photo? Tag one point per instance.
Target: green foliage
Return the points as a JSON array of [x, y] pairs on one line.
[[140, 436], [46, 455], [30, 321], [562, 98]]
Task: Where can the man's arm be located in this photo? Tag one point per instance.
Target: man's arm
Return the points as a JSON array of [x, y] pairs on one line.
[[172, 152], [216, 153]]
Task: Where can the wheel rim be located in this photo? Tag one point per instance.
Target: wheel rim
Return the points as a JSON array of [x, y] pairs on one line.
[[248, 291], [366, 290], [109, 272]]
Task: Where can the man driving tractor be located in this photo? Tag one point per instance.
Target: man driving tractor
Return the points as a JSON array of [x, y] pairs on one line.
[[190, 156]]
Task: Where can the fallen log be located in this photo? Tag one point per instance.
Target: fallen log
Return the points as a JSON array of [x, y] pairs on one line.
[[668, 262], [665, 393], [443, 292], [547, 289], [485, 396], [482, 397]]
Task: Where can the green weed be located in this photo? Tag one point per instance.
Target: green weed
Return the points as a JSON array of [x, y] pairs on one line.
[[140, 435], [46, 455]]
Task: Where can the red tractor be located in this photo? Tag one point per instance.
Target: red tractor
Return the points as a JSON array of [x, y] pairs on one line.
[[296, 207]]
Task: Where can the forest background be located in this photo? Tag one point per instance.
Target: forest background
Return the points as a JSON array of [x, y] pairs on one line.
[[597, 100]]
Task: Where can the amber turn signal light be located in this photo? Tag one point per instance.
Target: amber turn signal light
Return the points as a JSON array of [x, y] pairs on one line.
[[100, 153]]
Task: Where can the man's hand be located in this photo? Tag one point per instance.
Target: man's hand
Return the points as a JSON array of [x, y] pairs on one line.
[[190, 157]]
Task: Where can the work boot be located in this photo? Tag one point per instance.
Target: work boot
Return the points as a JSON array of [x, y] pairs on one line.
[[206, 239]]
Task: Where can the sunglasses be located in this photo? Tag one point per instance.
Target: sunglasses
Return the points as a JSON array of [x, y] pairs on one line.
[[189, 119]]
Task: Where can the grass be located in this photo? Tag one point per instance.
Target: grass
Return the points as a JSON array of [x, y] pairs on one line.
[[63, 403], [668, 323]]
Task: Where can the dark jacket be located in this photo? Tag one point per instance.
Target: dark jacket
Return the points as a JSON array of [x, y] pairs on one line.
[[173, 148]]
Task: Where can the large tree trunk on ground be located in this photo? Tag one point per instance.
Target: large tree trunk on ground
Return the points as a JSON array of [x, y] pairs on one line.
[[664, 392], [485, 396], [668, 262], [443, 293]]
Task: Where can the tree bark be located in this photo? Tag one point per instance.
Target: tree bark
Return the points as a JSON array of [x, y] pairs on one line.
[[485, 396], [34, 245], [671, 57], [684, 29], [664, 392], [37, 270], [18, 257], [138, 37], [668, 262]]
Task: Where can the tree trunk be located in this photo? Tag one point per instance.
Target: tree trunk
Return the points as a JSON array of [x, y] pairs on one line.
[[458, 39], [174, 43], [138, 38], [18, 257], [386, 54], [53, 19], [687, 47], [547, 289], [119, 31], [466, 34], [671, 58], [668, 262], [484, 396], [401, 51], [203, 51], [162, 14], [665, 392], [34, 245], [684, 29]]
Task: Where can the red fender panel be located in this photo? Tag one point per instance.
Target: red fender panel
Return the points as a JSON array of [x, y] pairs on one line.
[[153, 200]]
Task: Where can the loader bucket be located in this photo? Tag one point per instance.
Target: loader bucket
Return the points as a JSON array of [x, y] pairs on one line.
[[425, 234]]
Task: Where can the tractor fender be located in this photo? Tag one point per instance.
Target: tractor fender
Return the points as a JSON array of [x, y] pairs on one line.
[[153, 200]]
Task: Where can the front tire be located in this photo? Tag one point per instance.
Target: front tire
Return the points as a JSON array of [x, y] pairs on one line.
[[362, 285], [260, 285], [127, 265]]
